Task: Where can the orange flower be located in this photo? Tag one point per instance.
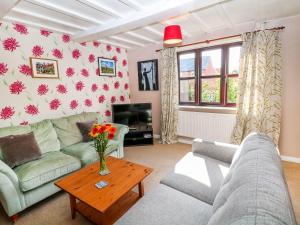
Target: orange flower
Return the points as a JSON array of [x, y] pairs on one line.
[[108, 127], [94, 132], [113, 130], [101, 129], [110, 136]]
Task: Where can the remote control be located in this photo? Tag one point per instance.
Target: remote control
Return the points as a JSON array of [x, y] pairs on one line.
[[101, 184]]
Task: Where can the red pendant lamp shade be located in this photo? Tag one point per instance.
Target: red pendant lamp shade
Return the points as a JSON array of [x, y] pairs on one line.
[[172, 35]]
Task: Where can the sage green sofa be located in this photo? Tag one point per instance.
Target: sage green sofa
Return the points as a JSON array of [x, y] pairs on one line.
[[63, 152]]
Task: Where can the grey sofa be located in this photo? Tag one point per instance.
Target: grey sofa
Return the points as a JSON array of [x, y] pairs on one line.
[[219, 184]]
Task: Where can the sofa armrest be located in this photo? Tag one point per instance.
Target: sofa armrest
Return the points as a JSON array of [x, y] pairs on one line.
[[121, 131], [11, 197], [216, 150]]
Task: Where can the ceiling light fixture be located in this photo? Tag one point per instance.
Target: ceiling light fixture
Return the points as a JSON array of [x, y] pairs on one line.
[[172, 35]]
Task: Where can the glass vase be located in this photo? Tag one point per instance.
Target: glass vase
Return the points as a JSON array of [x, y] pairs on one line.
[[103, 167]]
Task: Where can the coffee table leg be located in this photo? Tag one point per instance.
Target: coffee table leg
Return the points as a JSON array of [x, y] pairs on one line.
[[141, 189], [73, 206]]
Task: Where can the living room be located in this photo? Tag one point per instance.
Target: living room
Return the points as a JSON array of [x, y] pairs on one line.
[[162, 112]]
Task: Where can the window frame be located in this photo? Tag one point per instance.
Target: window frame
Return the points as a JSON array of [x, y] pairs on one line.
[[224, 75]]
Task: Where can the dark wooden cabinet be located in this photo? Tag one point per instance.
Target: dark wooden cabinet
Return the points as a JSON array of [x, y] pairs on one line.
[[139, 137]]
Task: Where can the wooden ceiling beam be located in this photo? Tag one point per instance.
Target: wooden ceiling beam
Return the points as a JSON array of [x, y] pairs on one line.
[[66, 11], [6, 6], [105, 9], [132, 4], [38, 25], [51, 19], [127, 41], [142, 37], [143, 18]]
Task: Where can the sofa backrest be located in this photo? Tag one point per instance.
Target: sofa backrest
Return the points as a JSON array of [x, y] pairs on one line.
[[44, 134], [67, 130], [255, 191]]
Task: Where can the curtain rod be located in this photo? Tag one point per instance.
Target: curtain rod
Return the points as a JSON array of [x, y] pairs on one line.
[[221, 38]]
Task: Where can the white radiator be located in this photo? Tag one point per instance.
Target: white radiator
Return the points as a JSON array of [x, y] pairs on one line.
[[207, 126]]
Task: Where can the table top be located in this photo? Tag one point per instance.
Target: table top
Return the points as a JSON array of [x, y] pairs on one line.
[[124, 176]]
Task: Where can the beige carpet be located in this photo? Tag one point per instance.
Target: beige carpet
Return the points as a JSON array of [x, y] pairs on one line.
[[55, 209]]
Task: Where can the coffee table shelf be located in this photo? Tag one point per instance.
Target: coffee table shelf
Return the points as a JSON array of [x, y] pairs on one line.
[[104, 206]]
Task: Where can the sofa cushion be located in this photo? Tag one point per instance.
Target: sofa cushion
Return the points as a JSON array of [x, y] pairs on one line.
[[19, 149], [198, 176], [256, 192], [85, 152], [16, 130], [45, 136], [51, 166], [167, 206], [67, 130], [85, 128]]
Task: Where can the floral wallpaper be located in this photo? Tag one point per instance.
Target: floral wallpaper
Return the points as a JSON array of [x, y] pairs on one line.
[[79, 88]]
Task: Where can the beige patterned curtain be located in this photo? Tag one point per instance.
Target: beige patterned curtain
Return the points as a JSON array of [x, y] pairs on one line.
[[260, 86], [169, 96]]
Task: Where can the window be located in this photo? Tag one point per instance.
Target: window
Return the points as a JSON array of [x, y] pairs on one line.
[[208, 76]]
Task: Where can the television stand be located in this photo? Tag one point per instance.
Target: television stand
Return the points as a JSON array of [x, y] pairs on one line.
[[139, 137]]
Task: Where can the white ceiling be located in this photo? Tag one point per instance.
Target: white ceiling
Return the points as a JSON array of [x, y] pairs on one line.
[[136, 23]]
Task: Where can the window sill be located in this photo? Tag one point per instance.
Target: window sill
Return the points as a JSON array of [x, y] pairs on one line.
[[208, 109]]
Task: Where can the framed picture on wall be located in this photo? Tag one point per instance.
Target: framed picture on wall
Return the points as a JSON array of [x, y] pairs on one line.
[[148, 75], [44, 68], [107, 67]]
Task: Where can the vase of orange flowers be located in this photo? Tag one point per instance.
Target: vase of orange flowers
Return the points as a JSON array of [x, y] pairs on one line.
[[101, 134]]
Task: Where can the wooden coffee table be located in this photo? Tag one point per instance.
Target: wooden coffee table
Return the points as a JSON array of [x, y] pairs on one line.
[[104, 206]]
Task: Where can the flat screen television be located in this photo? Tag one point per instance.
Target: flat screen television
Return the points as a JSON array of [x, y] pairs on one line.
[[135, 116]]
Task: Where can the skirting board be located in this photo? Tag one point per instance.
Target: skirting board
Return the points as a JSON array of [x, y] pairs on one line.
[[290, 159], [189, 141]]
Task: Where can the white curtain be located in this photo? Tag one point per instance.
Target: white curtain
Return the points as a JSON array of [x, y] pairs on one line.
[[169, 96], [260, 86]]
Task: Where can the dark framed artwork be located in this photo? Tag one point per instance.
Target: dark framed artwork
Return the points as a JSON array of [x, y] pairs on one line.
[[44, 68], [107, 67], [148, 75]]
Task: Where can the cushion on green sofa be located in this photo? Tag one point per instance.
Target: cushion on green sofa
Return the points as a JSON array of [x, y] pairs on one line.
[[45, 136], [85, 152], [16, 130], [67, 130], [51, 166]]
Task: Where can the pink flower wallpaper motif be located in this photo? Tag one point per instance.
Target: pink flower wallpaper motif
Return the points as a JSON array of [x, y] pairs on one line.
[[70, 72], [57, 53], [76, 53], [54, 104], [42, 89], [22, 29], [96, 44], [73, 104], [31, 109], [91, 58], [26, 100], [37, 51], [88, 102], [61, 89], [10, 44], [79, 86], [94, 87], [66, 38], [108, 48], [45, 33], [85, 72], [25, 69], [16, 87], [3, 68], [7, 112]]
